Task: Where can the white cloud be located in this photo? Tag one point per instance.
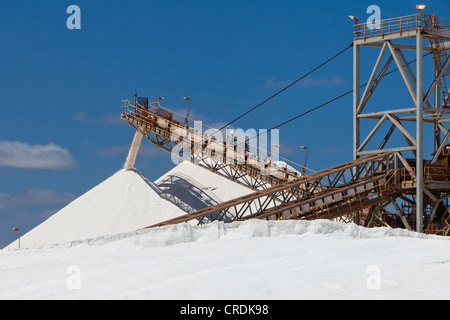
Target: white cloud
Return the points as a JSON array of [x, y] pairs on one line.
[[333, 82], [333, 148], [26, 156], [81, 116], [272, 83]]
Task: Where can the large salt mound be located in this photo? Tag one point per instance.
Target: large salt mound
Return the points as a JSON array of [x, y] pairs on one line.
[[128, 201], [124, 202]]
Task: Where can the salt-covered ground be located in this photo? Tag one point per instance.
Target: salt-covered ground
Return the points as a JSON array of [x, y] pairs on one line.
[[243, 260], [90, 249]]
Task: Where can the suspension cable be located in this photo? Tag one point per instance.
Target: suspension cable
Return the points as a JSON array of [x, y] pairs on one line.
[[287, 87], [326, 103]]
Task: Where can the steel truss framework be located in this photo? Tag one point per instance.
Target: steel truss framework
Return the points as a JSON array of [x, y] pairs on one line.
[[419, 110], [331, 193], [368, 189], [163, 139]]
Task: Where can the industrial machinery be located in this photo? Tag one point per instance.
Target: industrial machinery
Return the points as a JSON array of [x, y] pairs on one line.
[[385, 185], [229, 155]]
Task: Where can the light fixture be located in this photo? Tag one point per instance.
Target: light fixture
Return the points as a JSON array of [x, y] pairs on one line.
[[356, 23], [420, 7], [189, 109], [17, 229], [156, 102], [306, 158]]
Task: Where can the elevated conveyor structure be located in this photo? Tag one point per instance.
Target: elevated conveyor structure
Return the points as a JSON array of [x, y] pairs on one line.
[[231, 156], [327, 194], [359, 191], [380, 187]]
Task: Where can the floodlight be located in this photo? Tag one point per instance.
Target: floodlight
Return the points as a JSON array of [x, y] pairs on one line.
[[420, 6]]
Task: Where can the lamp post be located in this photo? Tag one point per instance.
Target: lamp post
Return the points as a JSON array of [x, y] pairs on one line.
[[156, 104], [356, 23], [306, 157], [420, 7], [158, 98], [189, 108], [17, 229]]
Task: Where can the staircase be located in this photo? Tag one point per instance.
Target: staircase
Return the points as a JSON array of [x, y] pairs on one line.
[[445, 220]]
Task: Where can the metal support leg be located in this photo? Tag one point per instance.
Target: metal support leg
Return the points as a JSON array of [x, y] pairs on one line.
[[419, 133], [356, 97]]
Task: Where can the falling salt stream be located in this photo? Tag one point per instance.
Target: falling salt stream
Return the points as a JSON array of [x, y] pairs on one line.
[[132, 154]]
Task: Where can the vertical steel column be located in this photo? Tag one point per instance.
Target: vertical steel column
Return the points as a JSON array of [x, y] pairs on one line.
[[437, 104], [419, 132], [356, 79]]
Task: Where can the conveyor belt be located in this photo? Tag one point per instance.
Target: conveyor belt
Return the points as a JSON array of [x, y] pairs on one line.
[[330, 193]]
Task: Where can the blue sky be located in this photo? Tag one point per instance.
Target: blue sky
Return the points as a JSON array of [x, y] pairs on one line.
[[61, 89]]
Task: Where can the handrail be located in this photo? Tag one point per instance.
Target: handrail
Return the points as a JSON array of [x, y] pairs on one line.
[[400, 24], [349, 199], [431, 173], [444, 221]]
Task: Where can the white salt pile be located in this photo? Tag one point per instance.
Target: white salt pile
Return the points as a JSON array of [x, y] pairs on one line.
[[128, 201], [124, 202]]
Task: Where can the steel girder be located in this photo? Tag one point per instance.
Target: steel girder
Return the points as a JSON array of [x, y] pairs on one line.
[[334, 190]]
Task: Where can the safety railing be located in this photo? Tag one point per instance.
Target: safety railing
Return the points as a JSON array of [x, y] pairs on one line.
[[353, 201], [400, 24], [445, 226], [406, 175], [445, 220], [430, 173], [436, 173]]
